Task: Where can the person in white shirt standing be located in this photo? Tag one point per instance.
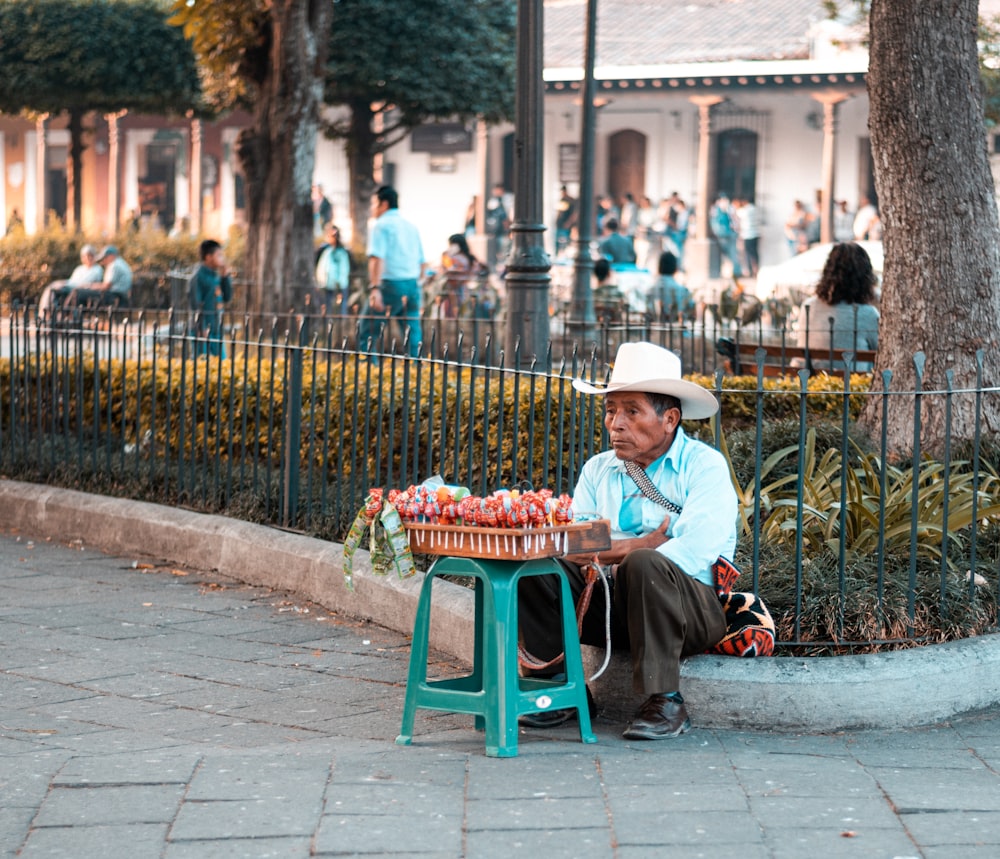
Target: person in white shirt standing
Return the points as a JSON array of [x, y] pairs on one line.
[[748, 220], [396, 262]]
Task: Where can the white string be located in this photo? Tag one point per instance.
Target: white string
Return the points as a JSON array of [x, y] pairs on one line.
[[607, 629]]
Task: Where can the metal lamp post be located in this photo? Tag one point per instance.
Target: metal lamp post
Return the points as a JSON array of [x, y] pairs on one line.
[[582, 317], [527, 330]]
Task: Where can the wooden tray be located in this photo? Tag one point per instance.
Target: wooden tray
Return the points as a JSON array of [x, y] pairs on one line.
[[509, 544]]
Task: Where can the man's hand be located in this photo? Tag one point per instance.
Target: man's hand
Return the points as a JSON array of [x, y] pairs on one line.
[[657, 538], [620, 548]]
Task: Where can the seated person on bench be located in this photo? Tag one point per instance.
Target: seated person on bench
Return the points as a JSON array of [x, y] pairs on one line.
[[113, 291], [842, 314], [86, 273]]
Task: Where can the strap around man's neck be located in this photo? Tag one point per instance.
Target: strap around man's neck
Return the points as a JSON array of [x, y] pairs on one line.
[[648, 488]]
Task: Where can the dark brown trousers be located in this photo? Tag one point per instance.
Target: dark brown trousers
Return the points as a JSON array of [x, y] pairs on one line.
[[659, 614]]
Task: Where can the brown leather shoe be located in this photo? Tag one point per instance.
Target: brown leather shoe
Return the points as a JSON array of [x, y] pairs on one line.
[[659, 718]]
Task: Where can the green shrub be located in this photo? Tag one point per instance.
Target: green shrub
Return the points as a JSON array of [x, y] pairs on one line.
[[157, 433], [863, 613], [29, 263]]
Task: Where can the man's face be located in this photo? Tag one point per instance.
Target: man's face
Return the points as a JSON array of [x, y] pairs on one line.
[[636, 431], [216, 259], [378, 206]]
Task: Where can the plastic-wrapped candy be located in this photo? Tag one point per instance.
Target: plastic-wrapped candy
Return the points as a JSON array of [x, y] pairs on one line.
[[536, 513], [389, 545], [396, 546], [362, 522], [519, 515], [488, 513], [468, 509], [449, 513], [563, 513]]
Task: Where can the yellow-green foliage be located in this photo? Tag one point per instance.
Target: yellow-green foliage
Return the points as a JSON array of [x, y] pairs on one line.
[[479, 429], [826, 395], [401, 422]]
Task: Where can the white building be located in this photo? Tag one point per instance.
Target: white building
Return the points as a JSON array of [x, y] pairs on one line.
[[761, 98], [767, 83]]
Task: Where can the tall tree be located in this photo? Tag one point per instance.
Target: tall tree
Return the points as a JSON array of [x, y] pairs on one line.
[[941, 288], [269, 55], [398, 63], [78, 56]]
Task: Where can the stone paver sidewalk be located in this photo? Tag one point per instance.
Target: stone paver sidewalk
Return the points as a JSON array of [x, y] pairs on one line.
[[147, 711]]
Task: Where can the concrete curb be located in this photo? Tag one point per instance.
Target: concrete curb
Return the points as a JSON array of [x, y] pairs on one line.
[[891, 690]]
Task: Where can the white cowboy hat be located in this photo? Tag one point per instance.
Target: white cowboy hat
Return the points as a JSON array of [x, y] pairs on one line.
[[654, 370]]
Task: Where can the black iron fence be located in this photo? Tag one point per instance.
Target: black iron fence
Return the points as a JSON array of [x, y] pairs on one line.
[[290, 424]]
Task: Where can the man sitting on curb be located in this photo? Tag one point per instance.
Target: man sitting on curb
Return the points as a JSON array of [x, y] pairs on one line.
[[673, 512]]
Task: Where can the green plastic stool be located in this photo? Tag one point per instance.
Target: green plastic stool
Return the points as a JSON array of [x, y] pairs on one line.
[[494, 692]]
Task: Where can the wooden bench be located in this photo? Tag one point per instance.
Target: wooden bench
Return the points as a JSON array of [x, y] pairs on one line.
[[783, 359]]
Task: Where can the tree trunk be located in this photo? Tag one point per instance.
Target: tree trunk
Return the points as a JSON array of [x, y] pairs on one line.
[[941, 286], [278, 156], [74, 171], [361, 145]]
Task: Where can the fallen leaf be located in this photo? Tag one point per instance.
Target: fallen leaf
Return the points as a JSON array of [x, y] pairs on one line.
[[179, 573], [848, 833]]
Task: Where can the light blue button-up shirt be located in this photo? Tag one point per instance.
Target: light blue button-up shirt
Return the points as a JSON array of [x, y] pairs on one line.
[[396, 242], [692, 475]]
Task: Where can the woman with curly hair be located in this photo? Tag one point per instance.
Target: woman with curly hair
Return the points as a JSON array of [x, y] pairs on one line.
[[842, 314]]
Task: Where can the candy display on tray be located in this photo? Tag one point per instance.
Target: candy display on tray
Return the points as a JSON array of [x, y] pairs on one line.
[[439, 519], [506, 508]]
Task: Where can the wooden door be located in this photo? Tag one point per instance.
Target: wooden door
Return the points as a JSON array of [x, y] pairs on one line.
[[627, 164]]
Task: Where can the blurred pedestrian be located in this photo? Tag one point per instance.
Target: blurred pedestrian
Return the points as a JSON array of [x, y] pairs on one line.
[[613, 245], [866, 214], [497, 225], [566, 210], [459, 268], [797, 228], [322, 210], [396, 262], [720, 220], [667, 299], [748, 228], [843, 222], [333, 272], [209, 289]]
